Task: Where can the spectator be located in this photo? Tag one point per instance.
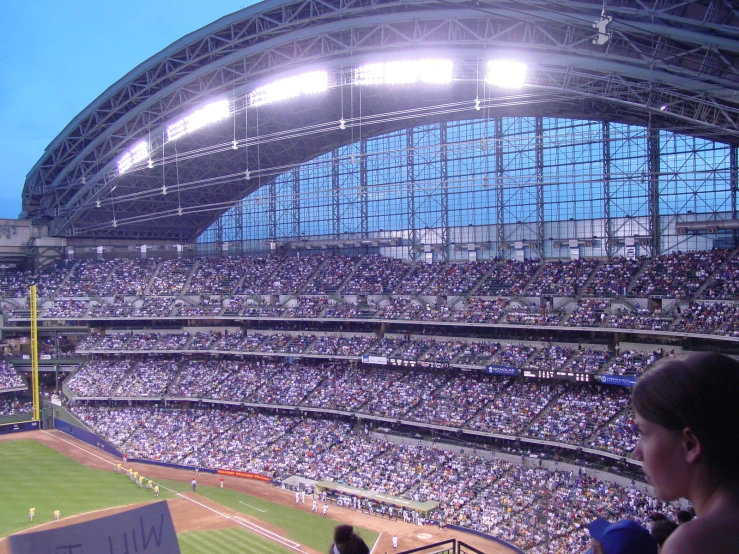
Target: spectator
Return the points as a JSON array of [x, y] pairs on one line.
[[346, 541], [688, 420]]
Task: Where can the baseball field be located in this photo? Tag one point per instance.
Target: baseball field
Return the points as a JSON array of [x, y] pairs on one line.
[[50, 471]]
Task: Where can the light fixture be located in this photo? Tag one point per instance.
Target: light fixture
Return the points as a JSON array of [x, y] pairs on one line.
[[663, 107], [164, 190], [342, 124], [115, 223], [477, 104], [215, 111], [137, 153], [179, 210], [235, 145], [433, 71], [247, 175], [506, 73], [97, 203], [312, 82], [150, 165]]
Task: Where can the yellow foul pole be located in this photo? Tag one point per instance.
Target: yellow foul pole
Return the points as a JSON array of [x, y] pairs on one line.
[[34, 357]]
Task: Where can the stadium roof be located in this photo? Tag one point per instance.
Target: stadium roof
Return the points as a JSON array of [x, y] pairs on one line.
[[672, 64]]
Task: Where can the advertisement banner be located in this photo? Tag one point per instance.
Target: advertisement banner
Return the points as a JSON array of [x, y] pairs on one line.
[[501, 370], [243, 475], [620, 380], [377, 360]]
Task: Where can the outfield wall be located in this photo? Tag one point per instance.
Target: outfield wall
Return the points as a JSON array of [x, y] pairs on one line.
[[19, 427], [86, 436]]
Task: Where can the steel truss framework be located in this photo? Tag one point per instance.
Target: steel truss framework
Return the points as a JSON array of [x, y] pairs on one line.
[[554, 180], [671, 63]]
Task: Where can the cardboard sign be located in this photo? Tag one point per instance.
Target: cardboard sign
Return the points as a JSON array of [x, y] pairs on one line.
[[144, 530]]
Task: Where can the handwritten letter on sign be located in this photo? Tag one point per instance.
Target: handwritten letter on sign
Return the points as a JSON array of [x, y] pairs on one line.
[[144, 530]]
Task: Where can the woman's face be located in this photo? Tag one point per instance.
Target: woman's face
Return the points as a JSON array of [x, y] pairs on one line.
[[662, 452]]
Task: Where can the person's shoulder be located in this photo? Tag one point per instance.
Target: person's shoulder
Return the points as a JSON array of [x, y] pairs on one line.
[[710, 534]]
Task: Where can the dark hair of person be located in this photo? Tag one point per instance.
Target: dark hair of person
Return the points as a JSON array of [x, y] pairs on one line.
[[657, 516], [661, 530], [698, 391], [347, 541], [683, 516]]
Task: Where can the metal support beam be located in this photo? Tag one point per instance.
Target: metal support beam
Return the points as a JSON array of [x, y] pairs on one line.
[[653, 146], [499, 184], [606, 130], [335, 195], [272, 210], [238, 226], [539, 161], [444, 175], [295, 208], [363, 196], [734, 184], [411, 187]]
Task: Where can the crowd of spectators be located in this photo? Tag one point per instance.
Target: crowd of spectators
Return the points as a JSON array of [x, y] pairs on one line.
[[535, 508], [561, 412], [561, 278], [481, 310], [98, 378], [12, 406], [228, 286], [85, 278], [129, 277], [677, 275], [578, 412], [376, 275], [216, 275], [508, 278], [533, 316], [590, 312], [330, 276], [9, 377], [447, 350], [709, 318], [205, 306], [639, 318], [171, 277], [725, 283], [632, 363], [612, 277]]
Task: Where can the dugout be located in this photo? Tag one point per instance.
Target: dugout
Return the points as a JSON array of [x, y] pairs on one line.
[[337, 489]]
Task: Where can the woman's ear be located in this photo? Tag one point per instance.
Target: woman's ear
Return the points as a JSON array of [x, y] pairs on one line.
[[691, 445]]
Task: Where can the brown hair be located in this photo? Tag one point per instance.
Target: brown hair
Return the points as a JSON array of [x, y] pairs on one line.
[[661, 530], [698, 391], [347, 541]]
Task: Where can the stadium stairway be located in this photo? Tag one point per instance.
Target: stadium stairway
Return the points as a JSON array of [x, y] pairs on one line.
[[712, 277], [149, 283]]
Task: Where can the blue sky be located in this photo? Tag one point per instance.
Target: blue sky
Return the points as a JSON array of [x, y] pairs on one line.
[[57, 56]]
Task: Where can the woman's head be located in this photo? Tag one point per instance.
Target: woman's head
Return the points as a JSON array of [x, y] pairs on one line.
[[346, 541], [687, 411]]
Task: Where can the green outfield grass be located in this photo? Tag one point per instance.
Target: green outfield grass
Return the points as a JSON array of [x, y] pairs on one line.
[[34, 475], [234, 541], [303, 527]]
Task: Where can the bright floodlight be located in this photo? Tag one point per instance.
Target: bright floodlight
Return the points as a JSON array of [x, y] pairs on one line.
[[137, 153], [284, 89], [211, 113], [506, 73], [405, 71]]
